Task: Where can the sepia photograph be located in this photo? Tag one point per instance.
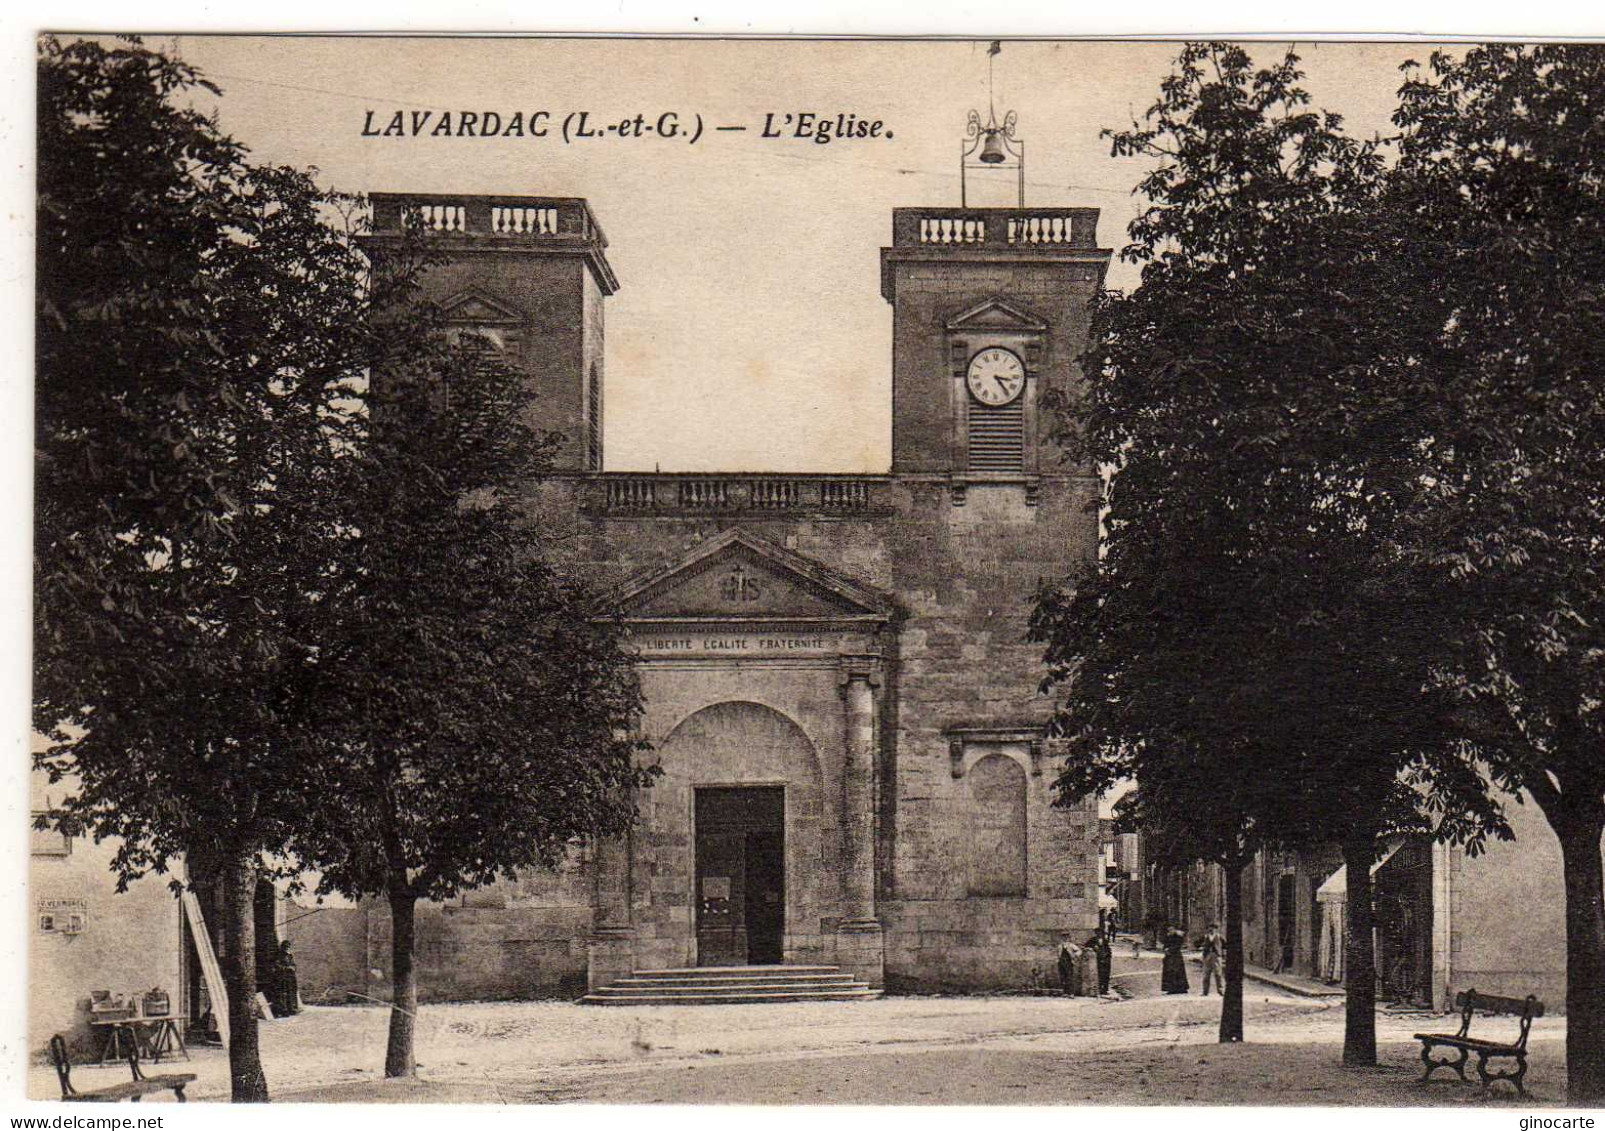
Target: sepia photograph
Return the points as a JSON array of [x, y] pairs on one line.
[[617, 570]]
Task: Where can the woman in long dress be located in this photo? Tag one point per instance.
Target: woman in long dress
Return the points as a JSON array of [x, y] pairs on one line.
[[1173, 974]]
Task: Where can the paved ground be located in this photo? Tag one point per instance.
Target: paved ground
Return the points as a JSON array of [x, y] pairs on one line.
[[1144, 1048]]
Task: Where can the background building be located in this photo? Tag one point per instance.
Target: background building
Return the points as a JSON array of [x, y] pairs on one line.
[[85, 936], [1445, 921]]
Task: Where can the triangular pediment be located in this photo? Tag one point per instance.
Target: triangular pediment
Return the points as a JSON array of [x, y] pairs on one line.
[[995, 314], [738, 576], [476, 306]]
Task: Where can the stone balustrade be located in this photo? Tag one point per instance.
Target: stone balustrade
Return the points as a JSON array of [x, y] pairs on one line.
[[995, 227], [496, 217], [1046, 228], [530, 225], [758, 495], [523, 220], [952, 229]]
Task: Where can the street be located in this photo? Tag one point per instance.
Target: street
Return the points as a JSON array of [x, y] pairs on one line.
[[899, 1050]]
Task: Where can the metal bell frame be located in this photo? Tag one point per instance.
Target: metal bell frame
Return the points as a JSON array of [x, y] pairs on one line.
[[995, 144]]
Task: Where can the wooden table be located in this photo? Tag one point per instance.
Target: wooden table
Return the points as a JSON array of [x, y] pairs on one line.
[[151, 1037]]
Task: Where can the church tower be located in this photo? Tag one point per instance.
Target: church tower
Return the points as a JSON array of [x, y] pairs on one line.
[[989, 313], [528, 274]]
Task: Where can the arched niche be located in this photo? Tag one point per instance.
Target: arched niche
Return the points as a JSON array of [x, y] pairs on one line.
[[997, 842]]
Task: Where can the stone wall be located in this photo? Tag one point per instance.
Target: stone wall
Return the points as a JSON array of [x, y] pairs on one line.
[[959, 685], [1507, 916], [558, 336], [330, 946], [127, 943], [513, 939], [962, 578], [928, 294]]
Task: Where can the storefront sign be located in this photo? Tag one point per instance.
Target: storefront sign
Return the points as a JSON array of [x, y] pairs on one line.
[[63, 916]]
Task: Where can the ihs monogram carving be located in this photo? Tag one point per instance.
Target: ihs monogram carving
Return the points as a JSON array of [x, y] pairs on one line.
[[737, 586]]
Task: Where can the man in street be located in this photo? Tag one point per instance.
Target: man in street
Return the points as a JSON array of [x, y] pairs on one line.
[[1105, 960], [1212, 950], [1069, 967]]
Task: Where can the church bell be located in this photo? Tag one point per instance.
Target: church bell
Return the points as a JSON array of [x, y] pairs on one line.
[[991, 145]]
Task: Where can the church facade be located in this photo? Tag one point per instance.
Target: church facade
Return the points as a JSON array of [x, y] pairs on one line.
[[838, 685]]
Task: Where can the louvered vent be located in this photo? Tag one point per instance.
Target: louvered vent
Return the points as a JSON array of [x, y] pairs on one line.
[[997, 436]]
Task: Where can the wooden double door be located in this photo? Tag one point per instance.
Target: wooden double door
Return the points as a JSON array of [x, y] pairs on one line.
[[741, 875]]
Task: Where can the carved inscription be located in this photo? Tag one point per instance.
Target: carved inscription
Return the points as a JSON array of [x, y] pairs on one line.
[[756, 644], [739, 586]]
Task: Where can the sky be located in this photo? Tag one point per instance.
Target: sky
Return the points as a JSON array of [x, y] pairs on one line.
[[748, 332]]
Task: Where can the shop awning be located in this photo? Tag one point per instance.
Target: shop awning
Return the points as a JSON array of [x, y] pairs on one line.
[[1107, 902], [1336, 887]]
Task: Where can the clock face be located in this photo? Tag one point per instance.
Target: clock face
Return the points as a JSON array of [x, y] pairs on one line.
[[996, 376]]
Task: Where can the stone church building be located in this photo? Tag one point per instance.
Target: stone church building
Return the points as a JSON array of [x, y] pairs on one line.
[[838, 685]]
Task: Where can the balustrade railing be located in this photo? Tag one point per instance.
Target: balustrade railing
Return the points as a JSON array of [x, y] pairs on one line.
[[703, 494], [1048, 229], [951, 230], [519, 217], [631, 494], [520, 220], [775, 494], [556, 222], [435, 218], [844, 494], [996, 227]]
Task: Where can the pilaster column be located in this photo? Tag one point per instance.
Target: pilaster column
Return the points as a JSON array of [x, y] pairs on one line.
[[611, 954], [860, 947]]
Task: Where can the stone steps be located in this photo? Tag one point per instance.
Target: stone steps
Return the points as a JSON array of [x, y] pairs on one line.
[[732, 985], [668, 985], [707, 972]]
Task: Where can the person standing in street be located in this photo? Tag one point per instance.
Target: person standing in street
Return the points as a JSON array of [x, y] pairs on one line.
[[1069, 965], [1212, 951], [1173, 970]]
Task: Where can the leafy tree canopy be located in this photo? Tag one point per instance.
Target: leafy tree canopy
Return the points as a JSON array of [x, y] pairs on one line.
[[1502, 172], [1262, 429], [482, 704]]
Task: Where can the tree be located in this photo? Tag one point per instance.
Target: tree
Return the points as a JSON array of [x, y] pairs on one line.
[[1503, 170], [480, 704], [1260, 404], [200, 328]]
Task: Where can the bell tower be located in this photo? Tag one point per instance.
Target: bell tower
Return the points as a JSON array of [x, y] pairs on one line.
[[989, 313], [528, 274]]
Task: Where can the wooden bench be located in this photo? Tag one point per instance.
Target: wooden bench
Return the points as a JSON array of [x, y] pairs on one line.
[[133, 1091], [1471, 1002]]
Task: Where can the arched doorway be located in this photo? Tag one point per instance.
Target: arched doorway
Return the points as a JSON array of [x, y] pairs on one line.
[[741, 793]]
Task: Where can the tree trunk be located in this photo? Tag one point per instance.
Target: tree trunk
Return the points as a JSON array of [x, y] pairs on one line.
[[400, 1059], [247, 1083], [1231, 1006], [267, 935], [1585, 958], [1359, 959]]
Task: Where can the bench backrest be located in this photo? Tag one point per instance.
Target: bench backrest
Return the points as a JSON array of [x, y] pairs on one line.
[[1470, 1001]]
